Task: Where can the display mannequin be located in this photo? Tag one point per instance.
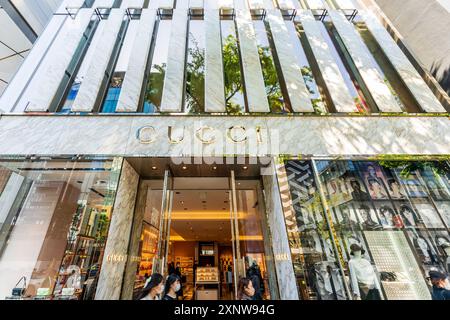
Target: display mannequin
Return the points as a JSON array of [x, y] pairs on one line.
[[362, 275]]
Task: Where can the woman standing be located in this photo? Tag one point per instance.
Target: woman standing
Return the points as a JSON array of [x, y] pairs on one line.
[[173, 285], [153, 289]]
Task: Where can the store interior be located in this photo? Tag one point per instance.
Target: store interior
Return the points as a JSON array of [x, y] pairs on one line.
[[201, 246]]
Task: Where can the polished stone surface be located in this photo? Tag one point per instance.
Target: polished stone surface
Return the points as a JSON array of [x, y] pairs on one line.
[[135, 239], [331, 74], [275, 216], [299, 95], [116, 250], [47, 79], [311, 135], [214, 76], [134, 76], [365, 63], [251, 65], [90, 85], [172, 98], [419, 89]]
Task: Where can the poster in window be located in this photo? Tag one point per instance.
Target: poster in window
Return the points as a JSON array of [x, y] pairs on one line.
[[367, 216], [428, 215], [409, 217], [357, 190], [346, 217], [413, 186], [388, 217], [337, 191], [374, 179], [395, 189], [436, 189]]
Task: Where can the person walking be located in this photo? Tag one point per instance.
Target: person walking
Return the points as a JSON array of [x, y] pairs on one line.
[[153, 289], [173, 285], [440, 285], [246, 291]]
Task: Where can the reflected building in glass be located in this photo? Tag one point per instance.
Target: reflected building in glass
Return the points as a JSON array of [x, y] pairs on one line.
[[295, 143]]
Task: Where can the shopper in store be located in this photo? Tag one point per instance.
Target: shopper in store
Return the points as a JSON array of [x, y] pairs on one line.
[[440, 285], [180, 275], [246, 291], [154, 289], [173, 285], [254, 273]]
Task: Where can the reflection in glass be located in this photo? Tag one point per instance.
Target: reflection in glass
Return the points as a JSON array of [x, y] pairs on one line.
[[195, 68], [273, 88], [54, 224], [234, 88], [155, 84]]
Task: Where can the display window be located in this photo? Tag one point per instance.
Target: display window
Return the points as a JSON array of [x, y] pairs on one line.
[[54, 222], [383, 224]]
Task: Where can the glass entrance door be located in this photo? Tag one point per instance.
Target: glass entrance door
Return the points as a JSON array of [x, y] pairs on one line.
[[160, 260]]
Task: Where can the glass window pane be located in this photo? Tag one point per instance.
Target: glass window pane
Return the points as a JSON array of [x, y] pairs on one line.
[[155, 85], [54, 222], [195, 68], [234, 88]]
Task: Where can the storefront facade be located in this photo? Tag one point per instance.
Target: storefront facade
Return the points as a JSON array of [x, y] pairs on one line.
[[129, 150]]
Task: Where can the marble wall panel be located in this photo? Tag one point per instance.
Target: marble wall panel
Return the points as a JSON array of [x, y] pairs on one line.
[[280, 244], [314, 135], [116, 250], [331, 74], [417, 86], [286, 4], [135, 74], [251, 65], [365, 63], [299, 95], [90, 85], [214, 76], [48, 77], [172, 97]]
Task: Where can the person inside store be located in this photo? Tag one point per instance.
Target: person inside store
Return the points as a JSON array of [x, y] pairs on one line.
[[179, 274], [173, 285], [254, 273], [246, 291], [440, 285], [154, 288], [171, 268]]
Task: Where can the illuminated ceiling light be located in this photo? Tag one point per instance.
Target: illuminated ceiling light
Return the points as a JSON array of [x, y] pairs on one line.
[[184, 168], [154, 168], [245, 167], [214, 168]]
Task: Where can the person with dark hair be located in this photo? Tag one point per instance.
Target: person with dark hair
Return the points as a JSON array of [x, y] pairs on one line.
[[376, 189], [173, 285], [153, 289], [254, 273], [408, 216], [358, 193], [367, 223], [395, 190], [171, 269], [246, 291], [387, 216]]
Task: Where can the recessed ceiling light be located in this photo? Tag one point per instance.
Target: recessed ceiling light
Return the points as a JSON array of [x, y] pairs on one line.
[[154, 168], [184, 168], [245, 167], [214, 168]]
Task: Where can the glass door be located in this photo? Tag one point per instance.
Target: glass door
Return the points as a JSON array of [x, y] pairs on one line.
[[239, 266], [160, 260]]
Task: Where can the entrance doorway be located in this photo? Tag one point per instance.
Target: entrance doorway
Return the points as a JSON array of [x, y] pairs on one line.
[[211, 231]]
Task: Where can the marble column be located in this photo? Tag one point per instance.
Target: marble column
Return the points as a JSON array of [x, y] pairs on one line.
[[116, 251], [172, 97], [136, 231], [416, 85], [365, 63], [280, 244]]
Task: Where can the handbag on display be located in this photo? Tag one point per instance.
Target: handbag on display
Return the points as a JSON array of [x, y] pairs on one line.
[[43, 292], [19, 291]]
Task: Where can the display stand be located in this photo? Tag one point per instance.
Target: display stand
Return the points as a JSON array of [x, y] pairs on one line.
[[207, 284]]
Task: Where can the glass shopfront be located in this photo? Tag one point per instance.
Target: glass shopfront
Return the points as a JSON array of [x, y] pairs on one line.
[[367, 230], [54, 222]]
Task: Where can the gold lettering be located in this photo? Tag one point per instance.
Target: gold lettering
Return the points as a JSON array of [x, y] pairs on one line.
[[233, 136], [147, 135], [201, 135]]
